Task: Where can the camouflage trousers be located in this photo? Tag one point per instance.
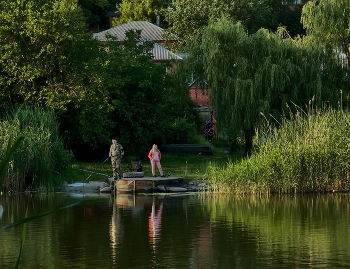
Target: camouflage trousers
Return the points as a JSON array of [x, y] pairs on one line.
[[116, 167]]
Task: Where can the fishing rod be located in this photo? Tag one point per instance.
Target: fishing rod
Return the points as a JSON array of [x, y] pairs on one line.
[[103, 162], [91, 172]]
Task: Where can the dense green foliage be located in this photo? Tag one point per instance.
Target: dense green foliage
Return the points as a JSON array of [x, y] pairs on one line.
[[309, 153], [260, 72], [49, 59], [141, 94], [291, 20], [139, 10], [333, 35], [257, 73], [186, 18], [98, 91]]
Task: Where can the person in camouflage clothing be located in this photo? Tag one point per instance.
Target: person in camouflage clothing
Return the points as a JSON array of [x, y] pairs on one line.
[[116, 153]]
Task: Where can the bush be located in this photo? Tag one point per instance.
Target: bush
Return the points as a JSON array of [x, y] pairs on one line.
[[182, 131]]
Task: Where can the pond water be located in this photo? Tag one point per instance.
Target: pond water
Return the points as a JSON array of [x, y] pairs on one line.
[[177, 231]]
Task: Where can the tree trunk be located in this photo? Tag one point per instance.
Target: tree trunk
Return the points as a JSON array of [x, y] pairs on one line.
[[248, 137]]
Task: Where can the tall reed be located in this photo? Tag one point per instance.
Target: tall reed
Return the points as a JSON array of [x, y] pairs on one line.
[[40, 154], [5, 159], [307, 153]]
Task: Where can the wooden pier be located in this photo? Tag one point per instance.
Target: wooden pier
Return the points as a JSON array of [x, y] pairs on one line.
[[141, 184]]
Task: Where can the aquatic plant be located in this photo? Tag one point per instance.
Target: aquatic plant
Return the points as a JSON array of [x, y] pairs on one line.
[[10, 149], [4, 163], [39, 155], [309, 152]]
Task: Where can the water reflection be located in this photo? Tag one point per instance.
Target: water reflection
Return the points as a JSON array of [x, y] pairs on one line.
[[126, 209], [202, 249], [155, 225], [188, 231]]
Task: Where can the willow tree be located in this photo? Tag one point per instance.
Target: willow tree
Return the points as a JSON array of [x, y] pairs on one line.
[[254, 74], [327, 23]]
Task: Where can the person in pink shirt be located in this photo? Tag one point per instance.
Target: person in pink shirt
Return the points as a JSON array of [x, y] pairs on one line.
[[155, 156]]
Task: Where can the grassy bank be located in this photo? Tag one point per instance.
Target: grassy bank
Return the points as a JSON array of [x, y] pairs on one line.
[[309, 153], [190, 167]]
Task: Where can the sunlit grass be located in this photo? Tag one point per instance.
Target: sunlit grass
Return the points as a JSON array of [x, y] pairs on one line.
[[309, 153], [187, 166]]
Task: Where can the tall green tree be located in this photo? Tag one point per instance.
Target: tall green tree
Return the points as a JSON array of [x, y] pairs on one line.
[[256, 74], [141, 93], [48, 58], [328, 22], [187, 17], [139, 10]]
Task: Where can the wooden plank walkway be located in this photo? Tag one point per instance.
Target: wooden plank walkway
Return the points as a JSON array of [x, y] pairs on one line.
[[140, 183]]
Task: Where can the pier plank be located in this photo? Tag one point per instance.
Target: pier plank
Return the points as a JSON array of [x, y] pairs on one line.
[[143, 183]]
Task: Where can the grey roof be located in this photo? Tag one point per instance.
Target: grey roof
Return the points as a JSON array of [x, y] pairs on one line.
[[148, 31], [162, 54]]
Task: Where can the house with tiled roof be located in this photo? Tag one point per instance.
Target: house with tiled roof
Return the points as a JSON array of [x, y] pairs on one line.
[[161, 54], [149, 31]]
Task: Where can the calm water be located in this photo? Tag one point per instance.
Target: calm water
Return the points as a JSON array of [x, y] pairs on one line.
[[187, 231]]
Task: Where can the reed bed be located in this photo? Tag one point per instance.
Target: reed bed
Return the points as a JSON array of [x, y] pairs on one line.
[[40, 153], [307, 153]]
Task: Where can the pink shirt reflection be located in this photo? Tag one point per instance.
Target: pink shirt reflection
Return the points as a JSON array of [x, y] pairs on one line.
[[155, 223]]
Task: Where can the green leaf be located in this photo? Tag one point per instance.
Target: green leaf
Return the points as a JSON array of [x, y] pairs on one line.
[[8, 155]]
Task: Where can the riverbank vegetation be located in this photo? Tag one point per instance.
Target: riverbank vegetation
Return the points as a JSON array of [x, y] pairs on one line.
[[307, 153], [88, 96], [40, 153], [261, 72]]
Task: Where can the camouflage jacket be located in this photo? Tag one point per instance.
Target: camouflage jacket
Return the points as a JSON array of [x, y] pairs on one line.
[[116, 151]]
